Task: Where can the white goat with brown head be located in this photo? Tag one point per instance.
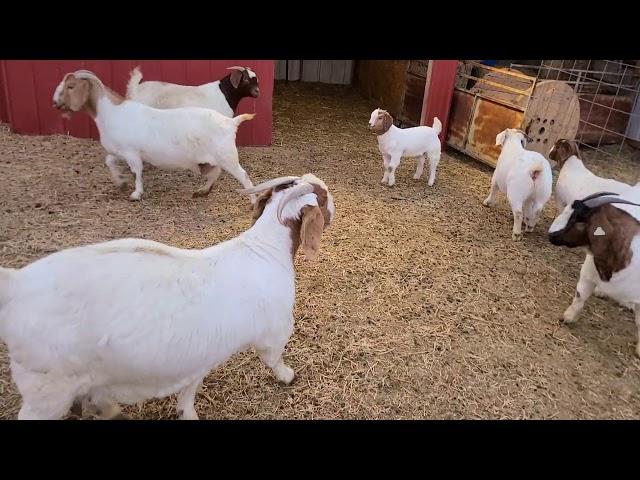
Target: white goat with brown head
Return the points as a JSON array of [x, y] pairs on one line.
[[146, 320], [395, 143], [196, 139]]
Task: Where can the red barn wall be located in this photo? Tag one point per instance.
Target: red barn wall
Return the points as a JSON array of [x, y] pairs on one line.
[[27, 86]]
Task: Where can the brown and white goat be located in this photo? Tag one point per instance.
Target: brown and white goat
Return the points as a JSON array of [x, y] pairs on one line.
[[608, 226]]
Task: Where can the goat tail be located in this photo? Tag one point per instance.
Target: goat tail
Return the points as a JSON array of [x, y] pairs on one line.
[[243, 118], [536, 169], [437, 125], [134, 81], [6, 277]]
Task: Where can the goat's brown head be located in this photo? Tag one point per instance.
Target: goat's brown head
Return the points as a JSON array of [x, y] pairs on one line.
[[80, 91], [72, 93], [594, 223], [304, 204], [380, 121], [562, 150]]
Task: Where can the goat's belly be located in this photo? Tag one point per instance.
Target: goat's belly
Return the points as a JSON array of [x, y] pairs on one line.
[[623, 290]]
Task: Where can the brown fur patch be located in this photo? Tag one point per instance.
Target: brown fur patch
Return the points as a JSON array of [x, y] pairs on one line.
[[261, 202], [611, 251], [311, 231], [562, 151]]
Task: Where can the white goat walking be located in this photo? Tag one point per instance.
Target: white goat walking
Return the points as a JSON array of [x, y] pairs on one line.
[[196, 139], [129, 320], [524, 176]]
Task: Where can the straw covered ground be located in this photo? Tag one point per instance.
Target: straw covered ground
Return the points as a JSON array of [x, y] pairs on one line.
[[420, 305]]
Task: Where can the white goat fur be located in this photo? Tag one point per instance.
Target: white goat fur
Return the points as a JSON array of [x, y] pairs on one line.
[[128, 320], [624, 285], [575, 181], [182, 138], [524, 176], [171, 95], [396, 143]]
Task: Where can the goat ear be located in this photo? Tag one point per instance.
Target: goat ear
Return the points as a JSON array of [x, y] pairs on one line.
[[500, 137], [261, 202], [311, 231], [523, 140], [387, 121], [80, 95], [236, 76]]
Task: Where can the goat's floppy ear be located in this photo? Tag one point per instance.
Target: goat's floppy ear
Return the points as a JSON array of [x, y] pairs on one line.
[[500, 137], [387, 121], [523, 141], [261, 202], [80, 95], [311, 231], [236, 76]]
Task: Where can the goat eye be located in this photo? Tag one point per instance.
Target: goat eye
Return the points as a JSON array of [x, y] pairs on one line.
[[70, 87]]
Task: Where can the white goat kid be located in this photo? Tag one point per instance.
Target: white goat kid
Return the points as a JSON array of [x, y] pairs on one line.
[[524, 176], [147, 320], [395, 143], [196, 139]]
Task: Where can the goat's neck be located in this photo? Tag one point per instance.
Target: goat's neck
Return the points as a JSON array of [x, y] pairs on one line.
[[271, 238], [230, 93], [513, 146], [101, 98]]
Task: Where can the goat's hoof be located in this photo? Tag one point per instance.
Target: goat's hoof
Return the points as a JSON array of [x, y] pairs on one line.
[[431, 183], [487, 203], [287, 375], [516, 237], [528, 229], [416, 177], [202, 192], [135, 196], [568, 318], [189, 415]]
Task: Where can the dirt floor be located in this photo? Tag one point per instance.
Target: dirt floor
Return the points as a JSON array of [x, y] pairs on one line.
[[420, 305]]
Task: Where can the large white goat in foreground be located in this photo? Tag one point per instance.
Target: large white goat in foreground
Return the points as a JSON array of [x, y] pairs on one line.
[[197, 139], [129, 320]]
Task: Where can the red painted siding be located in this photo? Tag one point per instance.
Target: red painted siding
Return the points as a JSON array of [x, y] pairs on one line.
[[438, 93], [26, 91], [4, 114]]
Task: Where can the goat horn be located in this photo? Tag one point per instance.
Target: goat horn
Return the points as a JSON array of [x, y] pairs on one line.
[[242, 69], [295, 192], [268, 184], [598, 202], [596, 195]]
